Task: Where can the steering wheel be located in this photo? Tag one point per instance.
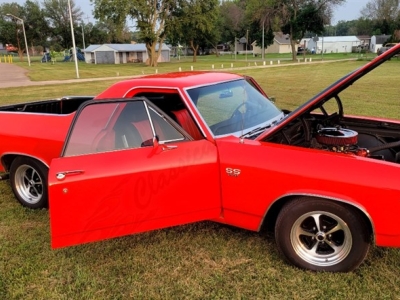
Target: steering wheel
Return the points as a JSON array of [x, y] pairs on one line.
[[339, 113], [237, 113]]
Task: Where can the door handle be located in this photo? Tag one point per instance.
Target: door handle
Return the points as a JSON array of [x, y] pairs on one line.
[[62, 175], [168, 147]]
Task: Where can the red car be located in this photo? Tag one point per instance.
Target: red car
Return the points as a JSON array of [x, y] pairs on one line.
[[166, 150]]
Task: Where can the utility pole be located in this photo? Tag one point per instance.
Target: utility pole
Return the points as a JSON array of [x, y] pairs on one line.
[[83, 35], [247, 41], [73, 39]]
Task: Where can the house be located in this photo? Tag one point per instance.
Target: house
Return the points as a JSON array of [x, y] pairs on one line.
[[122, 53], [377, 41], [242, 47], [331, 44], [365, 42], [281, 44]]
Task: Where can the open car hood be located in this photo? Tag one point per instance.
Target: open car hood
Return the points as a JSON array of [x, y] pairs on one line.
[[331, 91]]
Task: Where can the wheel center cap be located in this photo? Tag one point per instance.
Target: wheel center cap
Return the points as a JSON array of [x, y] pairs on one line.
[[320, 236]]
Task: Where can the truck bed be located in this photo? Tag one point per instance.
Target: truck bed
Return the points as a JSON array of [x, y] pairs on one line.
[[65, 105], [36, 129]]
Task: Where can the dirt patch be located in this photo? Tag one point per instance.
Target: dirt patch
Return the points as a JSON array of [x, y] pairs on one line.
[[12, 76]]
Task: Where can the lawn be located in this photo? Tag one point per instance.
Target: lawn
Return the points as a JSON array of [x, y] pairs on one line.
[[198, 261], [66, 70]]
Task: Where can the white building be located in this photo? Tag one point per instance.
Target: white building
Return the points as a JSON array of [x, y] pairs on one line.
[[378, 41], [331, 44], [122, 53]]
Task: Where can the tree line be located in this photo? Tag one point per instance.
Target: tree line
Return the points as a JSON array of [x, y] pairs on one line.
[[199, 24]]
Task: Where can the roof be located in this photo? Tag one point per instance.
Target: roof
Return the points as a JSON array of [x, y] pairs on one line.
[[180, 80], [91, 48], [333, 39], [381, 39], [363, 37], [124, 47], [282, 39]]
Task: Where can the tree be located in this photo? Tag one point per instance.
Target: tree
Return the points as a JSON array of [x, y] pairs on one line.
[[257, 36], [37, 29], [384, 14], [381, 10], [295, 17], [195, 22], [57, 13], [11, 31], [232, 21], [152, 18]]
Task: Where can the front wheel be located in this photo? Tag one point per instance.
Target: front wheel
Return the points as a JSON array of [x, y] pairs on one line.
[[28, 179], [322, 235]]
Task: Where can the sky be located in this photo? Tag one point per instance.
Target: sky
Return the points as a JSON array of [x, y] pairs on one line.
[[346, 12]]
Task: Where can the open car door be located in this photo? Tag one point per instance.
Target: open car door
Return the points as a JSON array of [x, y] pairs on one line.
[[128, 168]]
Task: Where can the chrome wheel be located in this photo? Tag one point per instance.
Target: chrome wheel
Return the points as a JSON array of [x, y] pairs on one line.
[[321, 238], [28, 184], [322, 235]]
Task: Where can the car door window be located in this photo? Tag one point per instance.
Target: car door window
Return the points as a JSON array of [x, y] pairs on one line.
[[164, 130], [102, 127]]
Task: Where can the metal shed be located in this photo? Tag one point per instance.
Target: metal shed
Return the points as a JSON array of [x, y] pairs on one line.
[[377, 41], [332, 44], [122, 53]]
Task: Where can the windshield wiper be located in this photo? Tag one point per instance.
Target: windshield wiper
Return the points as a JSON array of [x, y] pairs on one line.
[[257, 130]]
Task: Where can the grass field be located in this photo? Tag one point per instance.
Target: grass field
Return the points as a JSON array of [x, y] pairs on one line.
[[198, 261], [66, 70]]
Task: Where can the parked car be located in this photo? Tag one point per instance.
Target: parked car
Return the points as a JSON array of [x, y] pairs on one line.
[[385, 48], [170, 149], [300, 50]]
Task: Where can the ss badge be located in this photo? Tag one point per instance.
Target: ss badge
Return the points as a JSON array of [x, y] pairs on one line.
[[232, 172]]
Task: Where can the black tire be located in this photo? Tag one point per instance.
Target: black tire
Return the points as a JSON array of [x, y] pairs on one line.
[[322, 235], [28, 178]]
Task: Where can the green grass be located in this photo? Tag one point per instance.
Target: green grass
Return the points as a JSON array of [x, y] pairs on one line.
[[198, 261], [66, 70]]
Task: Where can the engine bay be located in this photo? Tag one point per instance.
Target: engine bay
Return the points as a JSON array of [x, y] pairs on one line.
[[325, 127]]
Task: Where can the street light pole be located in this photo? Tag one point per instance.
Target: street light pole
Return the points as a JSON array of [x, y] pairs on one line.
[[83, 35], [26, 43], [73, 40], [247, 41]]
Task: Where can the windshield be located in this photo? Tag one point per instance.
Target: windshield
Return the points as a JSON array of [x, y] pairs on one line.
[[234, 107]]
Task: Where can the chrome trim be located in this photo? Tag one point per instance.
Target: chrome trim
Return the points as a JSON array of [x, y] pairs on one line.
[[63, 174], [150, 119], [171, 141], [356, 205]]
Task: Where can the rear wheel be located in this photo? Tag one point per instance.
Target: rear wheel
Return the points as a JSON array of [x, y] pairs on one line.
[[28, 179], [322, 235]]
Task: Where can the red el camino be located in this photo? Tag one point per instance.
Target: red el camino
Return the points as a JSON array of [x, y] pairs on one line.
[[171, 149]]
